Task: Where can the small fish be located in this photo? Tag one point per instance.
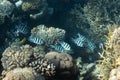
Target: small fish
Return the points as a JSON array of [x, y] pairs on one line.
[[65, 45], [21, 28], [22, 41], [36, 40], [91, 46], [80, 40], [57, 48]]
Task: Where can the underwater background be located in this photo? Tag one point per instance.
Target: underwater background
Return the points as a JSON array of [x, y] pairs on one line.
[[59, 39]]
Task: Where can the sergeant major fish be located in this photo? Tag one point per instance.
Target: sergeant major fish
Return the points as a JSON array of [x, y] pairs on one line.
[[80, 40], [57, 48], [36, 40]]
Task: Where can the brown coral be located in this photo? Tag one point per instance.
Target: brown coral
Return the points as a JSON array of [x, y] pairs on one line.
[[65, 66], [65, 60], [22, 74]]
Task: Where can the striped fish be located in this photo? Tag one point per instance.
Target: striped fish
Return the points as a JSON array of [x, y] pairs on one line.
[[80, 40], [91, 46], [65, 45], [36, 40], [21, 28], [57, 48]]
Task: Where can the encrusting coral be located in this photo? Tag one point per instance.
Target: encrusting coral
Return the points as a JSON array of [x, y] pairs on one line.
[[110, 56], [22, 74], [49, 35]]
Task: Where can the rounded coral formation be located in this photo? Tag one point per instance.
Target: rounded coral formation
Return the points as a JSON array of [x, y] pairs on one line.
[[64, 64], [65, 60], [22, 74], [49, 35]]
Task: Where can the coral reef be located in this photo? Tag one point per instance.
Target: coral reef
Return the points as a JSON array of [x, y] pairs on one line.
[[36, 8], [110, 56], [49, 35], [29, 5], [46, 53], [6, 8], [84, 69], [43, 66], [101, 13], [115, 74], [22, 74], [75, 20], [64, 59], [92, 18], [16, 56], [64, 64], [25, 56]]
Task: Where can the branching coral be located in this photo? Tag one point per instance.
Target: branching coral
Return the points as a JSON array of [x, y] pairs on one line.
[[16, 56], [43, 66], [49, 35], [84, 69], [101, 13], [110, 55]]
